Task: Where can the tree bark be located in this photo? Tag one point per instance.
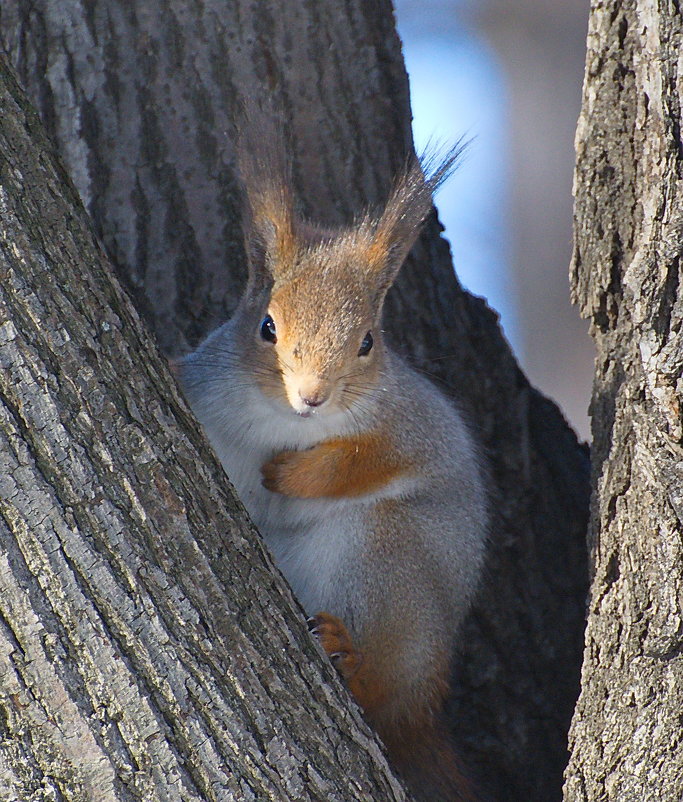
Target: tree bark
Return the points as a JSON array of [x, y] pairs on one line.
[[148, 650], [141, 99], [626, 275]]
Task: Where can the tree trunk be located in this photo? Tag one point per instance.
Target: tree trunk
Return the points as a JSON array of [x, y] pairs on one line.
[[148, 650], [627, 277], [141, 99]]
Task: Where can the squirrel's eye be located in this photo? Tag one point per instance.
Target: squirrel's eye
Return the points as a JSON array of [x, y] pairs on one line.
[[268, 329], [366, 345]]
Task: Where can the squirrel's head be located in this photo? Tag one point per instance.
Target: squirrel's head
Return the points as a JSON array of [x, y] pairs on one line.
[[315, 296], [320, 329]]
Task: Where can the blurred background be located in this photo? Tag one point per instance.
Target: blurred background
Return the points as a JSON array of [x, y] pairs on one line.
[[508, 73]]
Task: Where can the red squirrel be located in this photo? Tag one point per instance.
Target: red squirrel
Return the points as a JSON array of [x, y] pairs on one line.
[[363, 478]]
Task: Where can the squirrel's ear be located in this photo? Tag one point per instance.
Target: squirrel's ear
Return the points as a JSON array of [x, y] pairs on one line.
[[268, 218], [269, 233], [392, 235]]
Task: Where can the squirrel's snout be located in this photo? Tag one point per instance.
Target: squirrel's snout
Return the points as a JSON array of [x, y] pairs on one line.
[[313, 399], [307, 393]]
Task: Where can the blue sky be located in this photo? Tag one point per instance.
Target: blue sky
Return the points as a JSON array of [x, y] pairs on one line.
[[457, 88]]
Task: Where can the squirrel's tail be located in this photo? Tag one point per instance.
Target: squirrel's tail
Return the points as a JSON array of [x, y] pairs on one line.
[[428, 761]]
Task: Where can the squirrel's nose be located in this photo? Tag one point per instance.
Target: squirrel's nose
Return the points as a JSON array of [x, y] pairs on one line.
[[312, 399], [307, 393]]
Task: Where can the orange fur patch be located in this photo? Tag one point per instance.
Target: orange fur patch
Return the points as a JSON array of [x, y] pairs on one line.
[[368, 688], [377, 251], [372, 674], [353, 466], [273, 207], [417, 740]]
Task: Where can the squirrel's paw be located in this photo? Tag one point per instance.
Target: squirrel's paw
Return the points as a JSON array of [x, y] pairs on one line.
[[291, 473], [336, 641], [280, 474]]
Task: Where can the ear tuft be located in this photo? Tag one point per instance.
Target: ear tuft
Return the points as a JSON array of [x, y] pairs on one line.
[[393, 234], [268, 217]]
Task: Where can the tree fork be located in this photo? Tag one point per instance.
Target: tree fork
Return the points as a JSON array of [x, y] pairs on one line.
[[140, 98]]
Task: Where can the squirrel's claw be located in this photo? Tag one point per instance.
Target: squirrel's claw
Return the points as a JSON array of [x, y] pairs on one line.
[[336, 641]]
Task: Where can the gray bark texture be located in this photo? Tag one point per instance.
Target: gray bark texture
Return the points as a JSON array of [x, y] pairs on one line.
[[141, 100], [148, 649], [626, 732]]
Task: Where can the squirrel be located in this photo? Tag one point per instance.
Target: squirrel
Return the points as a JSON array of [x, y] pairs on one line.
[[363, 478]]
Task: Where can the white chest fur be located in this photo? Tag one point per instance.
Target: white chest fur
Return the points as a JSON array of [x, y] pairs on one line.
[[311, 539]]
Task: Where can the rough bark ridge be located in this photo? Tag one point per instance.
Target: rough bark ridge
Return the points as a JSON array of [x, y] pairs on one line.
[[140, 98], [148, 650], [626, 733]]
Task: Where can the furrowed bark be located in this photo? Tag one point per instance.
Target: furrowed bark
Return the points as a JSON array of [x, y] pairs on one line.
[[148, 649], [626, 276]]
